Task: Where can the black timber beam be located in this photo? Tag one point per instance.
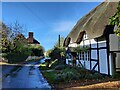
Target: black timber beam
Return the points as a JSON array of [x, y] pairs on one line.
[[108, 63], [98, 55], [95, 66]]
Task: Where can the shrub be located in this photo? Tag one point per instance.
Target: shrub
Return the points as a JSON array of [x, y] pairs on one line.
[[56, 63], [57, 53], [89, 76], [93, 76], [71, 76], [117, 75], [16, 57], [60, 78], [43, 66], [59, 67], [37, 52], [50, 76], [66, 77], [97, 76]]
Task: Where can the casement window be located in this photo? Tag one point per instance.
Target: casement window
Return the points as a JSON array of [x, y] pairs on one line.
[[84, 55], [88, 55], [80, 56], [85, 37]]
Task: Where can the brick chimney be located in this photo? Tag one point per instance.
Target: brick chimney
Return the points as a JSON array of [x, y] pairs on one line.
[[30, 38]]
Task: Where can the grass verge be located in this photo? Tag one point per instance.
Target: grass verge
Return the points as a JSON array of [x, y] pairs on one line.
[[62, 76]]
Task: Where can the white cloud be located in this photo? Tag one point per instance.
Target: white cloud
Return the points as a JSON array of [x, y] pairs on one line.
[[63, 26]]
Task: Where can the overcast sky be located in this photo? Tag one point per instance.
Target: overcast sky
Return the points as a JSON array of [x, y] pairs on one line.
[[46, 19]]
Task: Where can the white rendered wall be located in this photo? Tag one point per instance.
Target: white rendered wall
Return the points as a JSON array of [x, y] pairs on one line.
[[114, 42], [72, 45], [115, 46], [103, 61]]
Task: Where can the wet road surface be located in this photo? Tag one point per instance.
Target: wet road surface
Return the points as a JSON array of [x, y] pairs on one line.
[[29, 76]]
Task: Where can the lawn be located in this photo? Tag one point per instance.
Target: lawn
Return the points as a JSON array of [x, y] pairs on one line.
[[65, 76]]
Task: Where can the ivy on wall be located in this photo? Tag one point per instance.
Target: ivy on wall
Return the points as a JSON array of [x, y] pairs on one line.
[[115, 20], [81, 49]]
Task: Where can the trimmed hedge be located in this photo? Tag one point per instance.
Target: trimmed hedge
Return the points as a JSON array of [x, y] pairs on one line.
[[16, 57]]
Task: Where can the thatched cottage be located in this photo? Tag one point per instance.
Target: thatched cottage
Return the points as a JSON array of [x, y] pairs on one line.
[[100, 47]]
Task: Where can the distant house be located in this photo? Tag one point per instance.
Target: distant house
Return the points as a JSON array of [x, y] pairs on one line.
[[94, 32], [32, 40]]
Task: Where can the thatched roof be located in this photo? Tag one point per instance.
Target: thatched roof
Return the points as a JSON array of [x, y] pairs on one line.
[[94, 23]]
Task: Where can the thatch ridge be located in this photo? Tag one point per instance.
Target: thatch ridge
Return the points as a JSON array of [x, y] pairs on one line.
[[93, 23]]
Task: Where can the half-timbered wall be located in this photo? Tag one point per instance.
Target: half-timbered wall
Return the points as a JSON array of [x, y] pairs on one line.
[[95, 58], [99, 57]]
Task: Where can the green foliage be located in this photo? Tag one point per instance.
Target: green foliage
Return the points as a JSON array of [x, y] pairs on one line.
[[115, 20], [44, 66], [59, 78], [57, 63], [50, 76], [17, 56], [18, 49], [48, 53], [97, 76], [117, 75], [57, 53], [117, 32], [61, 42], [58, 73], [80, 49], [4, 40], [37, 50], [14, 44], [60, 67], [52, 64]]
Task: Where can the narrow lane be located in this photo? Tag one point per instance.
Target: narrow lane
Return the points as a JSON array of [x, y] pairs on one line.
[[28, 77]]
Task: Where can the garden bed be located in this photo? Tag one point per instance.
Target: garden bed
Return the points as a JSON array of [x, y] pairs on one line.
[[64, 76]]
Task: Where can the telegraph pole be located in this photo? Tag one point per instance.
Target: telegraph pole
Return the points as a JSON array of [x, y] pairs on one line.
[[59, 39]]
